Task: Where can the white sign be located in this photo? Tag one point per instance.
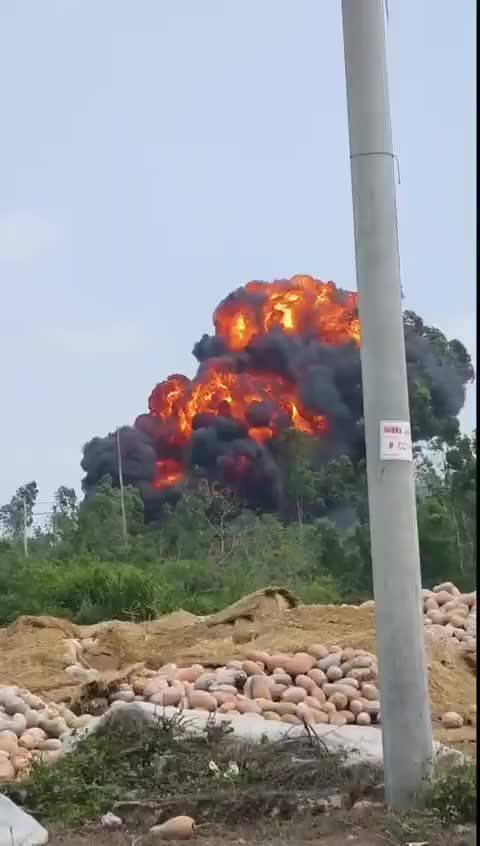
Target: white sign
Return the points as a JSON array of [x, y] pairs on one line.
[[395, 441]]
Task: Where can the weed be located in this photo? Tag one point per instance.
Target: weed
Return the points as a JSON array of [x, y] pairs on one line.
[[163, 767], [451, 793]]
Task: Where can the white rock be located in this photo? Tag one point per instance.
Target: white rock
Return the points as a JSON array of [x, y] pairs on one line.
[[452, 720], [365, 806], [82, 676], [448, 587], [111, 821]]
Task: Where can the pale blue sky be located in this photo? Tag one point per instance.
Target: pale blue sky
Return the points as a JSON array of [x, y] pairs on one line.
[[155, 154]]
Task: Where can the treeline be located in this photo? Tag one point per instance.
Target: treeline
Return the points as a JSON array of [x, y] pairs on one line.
[[209, 549]]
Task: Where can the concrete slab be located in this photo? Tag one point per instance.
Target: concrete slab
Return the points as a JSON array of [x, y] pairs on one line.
[[18, 828], [359, 743]]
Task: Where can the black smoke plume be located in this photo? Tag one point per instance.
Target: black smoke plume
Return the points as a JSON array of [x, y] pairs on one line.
[[324, 375]]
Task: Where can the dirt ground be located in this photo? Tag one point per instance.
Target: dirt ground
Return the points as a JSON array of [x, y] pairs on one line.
[[342, 829]]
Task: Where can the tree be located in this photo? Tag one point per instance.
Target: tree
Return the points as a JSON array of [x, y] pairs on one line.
[[342, 491], [438, 370], [64, 522], [19, 511], [301, 479], [201, 523], [65, 500], [100, 527], [446, 484], [294, 452]]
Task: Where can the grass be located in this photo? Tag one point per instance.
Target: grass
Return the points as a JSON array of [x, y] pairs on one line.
[[88, 591]]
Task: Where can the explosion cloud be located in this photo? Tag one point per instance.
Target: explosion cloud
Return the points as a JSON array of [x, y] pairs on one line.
[[284, 355]]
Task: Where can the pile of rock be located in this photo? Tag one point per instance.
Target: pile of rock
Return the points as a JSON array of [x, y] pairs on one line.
[[452, 614], [324, 685], [449, 613], [30, 729], [327, 685]]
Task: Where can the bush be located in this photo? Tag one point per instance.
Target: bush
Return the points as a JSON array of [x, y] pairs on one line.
[[88, 591], [452, 792], [83, 591], [151, 762], [320, 592]]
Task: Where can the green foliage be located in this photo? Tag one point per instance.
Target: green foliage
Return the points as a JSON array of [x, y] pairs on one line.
[[85, 784], [86, 591], [446, 478], [319, 592], [64, 520], [100, 520], [315, 486], [430, 418], [295, 455], [209, 550], [74, 791], [452, 792]]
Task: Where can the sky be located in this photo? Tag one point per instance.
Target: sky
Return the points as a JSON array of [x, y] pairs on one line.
[[155, 155]]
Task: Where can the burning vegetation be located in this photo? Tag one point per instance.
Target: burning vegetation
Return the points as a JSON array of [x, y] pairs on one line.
[[285, 355]]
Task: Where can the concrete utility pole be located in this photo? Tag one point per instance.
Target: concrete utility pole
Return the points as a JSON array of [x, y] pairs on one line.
[[407, 733], [25, 528], [122, 493]]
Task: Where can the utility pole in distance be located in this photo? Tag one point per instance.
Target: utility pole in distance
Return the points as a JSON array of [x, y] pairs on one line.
[[122, 493], [406, 724], [25, 528]]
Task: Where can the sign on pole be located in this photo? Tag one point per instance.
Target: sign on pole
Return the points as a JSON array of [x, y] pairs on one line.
[[395, 441]]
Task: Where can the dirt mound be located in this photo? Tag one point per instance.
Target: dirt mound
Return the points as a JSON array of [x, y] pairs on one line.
[[35, 652], [255, 606], [451, 681], [269, 619]]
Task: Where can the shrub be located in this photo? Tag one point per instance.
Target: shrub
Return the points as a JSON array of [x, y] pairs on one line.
[[83, 591], [151, 763], [323, 591], [452, 791]]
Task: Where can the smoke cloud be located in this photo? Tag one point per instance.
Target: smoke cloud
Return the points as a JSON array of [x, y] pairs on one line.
[[284, 355]]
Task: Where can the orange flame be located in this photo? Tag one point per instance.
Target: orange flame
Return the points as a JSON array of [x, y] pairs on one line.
[[230, 394], [299, 305], [302, 305], [167, 473]]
